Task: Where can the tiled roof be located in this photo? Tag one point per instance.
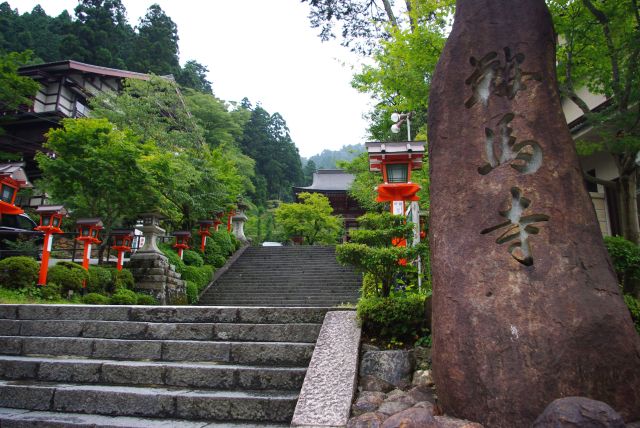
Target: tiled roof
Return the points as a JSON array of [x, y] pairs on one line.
[[329, 180]]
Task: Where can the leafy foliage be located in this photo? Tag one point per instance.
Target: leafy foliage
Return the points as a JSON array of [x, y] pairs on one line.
[[399, 317], [625, 256], [123, 296], [68, 276], [95, 299], [15, 90], [634, 307], [372, 252], [312, 219], [18, 272]]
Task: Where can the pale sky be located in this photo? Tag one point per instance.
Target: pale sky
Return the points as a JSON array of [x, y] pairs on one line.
[[264, 50]]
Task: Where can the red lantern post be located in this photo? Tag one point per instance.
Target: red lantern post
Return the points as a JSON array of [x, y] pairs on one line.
[[218, 220], [396, 160], [121, 243], [88, 231], [50, 223], [204, 231], [231, 214], [12, 178], [182, 241]]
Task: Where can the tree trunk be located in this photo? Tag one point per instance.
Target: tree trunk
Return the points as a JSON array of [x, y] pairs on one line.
[[627, 199]]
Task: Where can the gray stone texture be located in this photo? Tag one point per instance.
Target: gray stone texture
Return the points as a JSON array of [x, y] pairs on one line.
[[414, 417], [372, 383], [154, 275], [580, 412], [180, 350], [516, 324], [25, 396], [271, 353], [330, 383], [367, 420], [9, 327], [395, 367]]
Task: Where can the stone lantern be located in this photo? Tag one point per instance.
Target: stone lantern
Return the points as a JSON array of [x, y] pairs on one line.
[[151, 230], [204, 231], [238, 221], [88, 232], [50, 223], [182, 241], [12, 178], [122, 239]]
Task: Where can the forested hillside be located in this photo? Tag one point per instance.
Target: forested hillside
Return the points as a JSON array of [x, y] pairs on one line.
[[256, 142]]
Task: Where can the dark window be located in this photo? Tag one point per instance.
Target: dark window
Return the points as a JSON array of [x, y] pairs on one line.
[[397, 173], [591, 187]]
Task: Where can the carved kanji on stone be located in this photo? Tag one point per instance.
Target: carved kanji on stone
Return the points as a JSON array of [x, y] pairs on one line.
[[510, 337], [501, 148], [518, 228], [491, 76]]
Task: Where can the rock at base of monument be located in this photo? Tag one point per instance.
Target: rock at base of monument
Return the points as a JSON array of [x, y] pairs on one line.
[[367, 420], [415, 417], [373, 383], [583, 412], [395, 367], [449, 422]]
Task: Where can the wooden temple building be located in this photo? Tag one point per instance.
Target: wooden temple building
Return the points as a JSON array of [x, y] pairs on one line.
[[334, 184], [65, 89]]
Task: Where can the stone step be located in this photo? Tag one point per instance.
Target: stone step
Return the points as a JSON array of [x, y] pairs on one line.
[[164, 314], [20, 418], [293, 332], [164, 374], [270, 406], [281, 302], [260, 353]]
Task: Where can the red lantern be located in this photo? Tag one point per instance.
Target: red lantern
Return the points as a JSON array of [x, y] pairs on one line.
[[12, 178], [50, 223], [88, 231], [231, 214], [218, 220], [121, 243], [182, 241], [204, 231]]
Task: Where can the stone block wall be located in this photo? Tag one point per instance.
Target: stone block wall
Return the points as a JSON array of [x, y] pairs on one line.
[[155, 276]]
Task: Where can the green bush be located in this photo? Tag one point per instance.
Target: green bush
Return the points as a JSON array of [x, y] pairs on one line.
[[122, 279], [200, 276], [146, 299], [192, 258], [625, 256], [18, 272], [95, 299], [173, 256], [192, 292], [122, 296], [68, 275], [220, 246], [51, 292], [634, 307], [399, 317], [100, 279]]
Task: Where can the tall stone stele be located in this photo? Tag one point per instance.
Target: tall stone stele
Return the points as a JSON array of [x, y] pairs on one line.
[[526, 305]]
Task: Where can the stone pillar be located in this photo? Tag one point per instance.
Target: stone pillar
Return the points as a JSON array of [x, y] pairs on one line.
[[151, 269], [237, 223], [526, 305]]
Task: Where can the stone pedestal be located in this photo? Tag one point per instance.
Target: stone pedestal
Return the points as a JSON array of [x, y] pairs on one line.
[[151, 269], [526, 305]]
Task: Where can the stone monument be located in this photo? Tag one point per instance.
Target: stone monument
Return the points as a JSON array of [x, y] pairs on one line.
[[526, 306], [151, 269]]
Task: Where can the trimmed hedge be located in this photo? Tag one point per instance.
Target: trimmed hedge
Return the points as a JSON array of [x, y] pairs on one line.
[[18, 272], [68, 275], [95, 299], [399, 317], [122, 296]]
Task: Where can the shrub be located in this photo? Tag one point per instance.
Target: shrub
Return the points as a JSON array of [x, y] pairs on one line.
[[200, 276], [18, 272], [192, 258], [51, 292], [122, 296], [68, 275], [122, 279], [100, 279], [634, 307], [146, 299], [399, 317], [173, 257], [95, 299], [625, 256], [192, 292]]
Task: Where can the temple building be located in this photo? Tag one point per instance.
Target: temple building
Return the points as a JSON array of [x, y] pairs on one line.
[[334, 184]]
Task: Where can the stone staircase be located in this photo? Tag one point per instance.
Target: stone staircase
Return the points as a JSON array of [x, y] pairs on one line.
[[285, 276], [137, 366]]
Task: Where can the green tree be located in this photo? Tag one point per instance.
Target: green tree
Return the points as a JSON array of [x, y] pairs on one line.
[[599, 47], [308, 171], [97, 171], [371, 249], [194, 75], [311, 219], [15, 90], [157, 43]]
